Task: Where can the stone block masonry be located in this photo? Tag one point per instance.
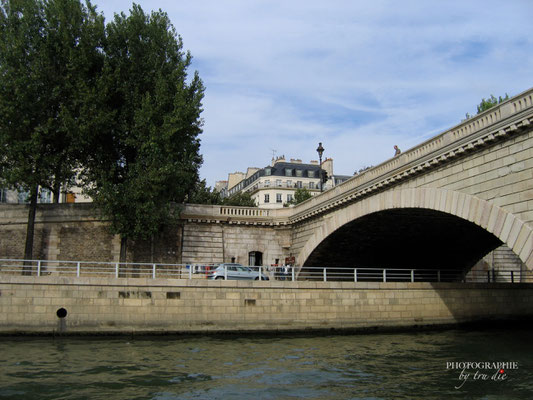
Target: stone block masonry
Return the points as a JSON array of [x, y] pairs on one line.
[[46, 305], [74, 232]]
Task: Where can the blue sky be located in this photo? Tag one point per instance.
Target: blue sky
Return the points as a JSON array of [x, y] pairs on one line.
[[358, 76]]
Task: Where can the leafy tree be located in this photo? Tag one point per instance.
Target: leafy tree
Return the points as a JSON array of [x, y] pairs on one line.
[[145, 125], [490, 102], [242, 199], [300, 195], [201, 194], [49, 52]]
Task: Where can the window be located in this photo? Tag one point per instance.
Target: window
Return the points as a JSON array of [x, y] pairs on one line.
[[267, 183], [255, 258], [288, 171], [22, 197], [289, 183], [299, 173], [311, 185], [268, 171], [289, 197], [278, 198], [278, 182], [45, 196], [299, 184], [267, 198], [3, 195], [310, 174]]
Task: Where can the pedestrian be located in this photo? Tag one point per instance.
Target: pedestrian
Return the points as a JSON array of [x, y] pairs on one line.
[[286, 271], [397, 151]]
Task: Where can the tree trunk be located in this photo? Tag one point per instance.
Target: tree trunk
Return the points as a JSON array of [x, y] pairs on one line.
[[56, 192], [56, 189], [30, 230], [123, 253], [152, 249]]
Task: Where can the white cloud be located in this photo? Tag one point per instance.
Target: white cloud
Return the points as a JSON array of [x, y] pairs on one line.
[[358, 76]]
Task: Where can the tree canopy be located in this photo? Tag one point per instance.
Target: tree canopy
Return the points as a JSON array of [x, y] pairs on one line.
[[202, 194], [49, 52], [490, 102], [300, 195], [111, 104], [242, 199], [145, 146]]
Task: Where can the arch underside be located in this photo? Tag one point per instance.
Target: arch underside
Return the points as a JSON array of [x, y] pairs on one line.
[[411, 238], [419, 228]]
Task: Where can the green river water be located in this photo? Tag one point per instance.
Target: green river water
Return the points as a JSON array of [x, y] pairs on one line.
[[416, 365]]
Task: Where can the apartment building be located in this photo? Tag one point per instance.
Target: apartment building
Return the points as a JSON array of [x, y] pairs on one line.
[[275, 185]]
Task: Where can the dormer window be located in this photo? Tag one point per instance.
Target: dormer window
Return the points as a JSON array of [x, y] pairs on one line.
[[288, 171], [268, 171]]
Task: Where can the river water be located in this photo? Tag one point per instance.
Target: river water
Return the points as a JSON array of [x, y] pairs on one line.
[[366, 366]]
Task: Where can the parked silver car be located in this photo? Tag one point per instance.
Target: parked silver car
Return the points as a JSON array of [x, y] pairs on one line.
[[235, 271]]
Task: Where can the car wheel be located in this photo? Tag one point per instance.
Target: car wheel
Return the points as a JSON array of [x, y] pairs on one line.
[[219, 277]]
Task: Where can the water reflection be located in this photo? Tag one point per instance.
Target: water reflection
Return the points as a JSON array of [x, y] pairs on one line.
[[378, 366]]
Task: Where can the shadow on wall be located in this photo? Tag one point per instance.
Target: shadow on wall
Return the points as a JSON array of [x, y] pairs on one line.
[[485, 302]]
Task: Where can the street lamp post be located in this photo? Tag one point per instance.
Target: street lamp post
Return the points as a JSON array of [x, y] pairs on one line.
[[320, 150]]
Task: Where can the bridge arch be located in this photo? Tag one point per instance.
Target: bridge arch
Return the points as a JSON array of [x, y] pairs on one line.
[[490, 218]]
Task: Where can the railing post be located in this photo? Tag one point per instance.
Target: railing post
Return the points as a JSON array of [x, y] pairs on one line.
[[260, 276], [190, 271], [153, 271], [493, 275], [225, 272], [355, 274], [488, 276], [325, 275], [116, 270], [384, 275], [512, 276], [438, 275], [412, 275], [39, 268], [78, 269]]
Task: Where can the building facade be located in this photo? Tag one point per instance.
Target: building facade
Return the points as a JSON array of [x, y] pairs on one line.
[[74, 195], [275, 185]]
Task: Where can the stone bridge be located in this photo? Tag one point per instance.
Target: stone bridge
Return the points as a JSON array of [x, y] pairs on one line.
[[442, 204]]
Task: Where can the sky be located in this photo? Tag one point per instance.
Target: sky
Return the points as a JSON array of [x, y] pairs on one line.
[[358, 76]]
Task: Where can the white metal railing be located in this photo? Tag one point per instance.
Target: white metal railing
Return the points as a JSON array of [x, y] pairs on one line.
[[96, 269], [363, 274], [235, 271]]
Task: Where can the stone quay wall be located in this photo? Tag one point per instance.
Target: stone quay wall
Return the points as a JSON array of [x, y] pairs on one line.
[[74, 232], [34, 305]]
